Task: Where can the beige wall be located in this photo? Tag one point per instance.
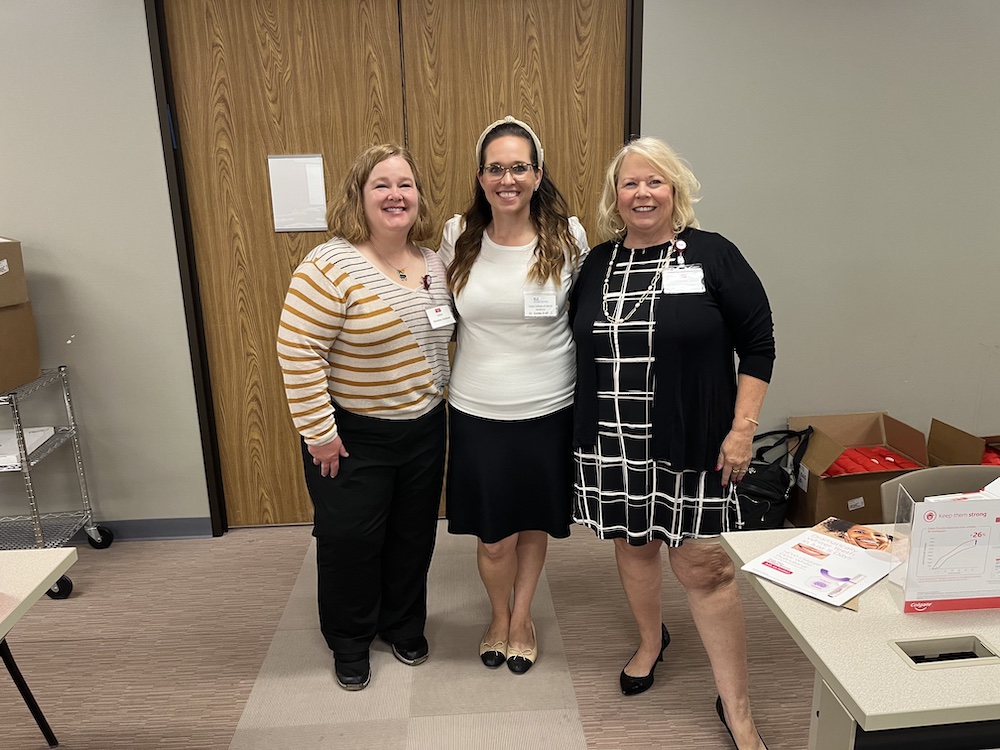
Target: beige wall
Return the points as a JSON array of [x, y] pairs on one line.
[[83, 186], [849, 148], [852, 151]]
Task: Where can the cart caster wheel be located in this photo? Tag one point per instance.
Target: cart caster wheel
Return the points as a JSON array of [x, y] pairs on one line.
[[106, 537], [61, 588]]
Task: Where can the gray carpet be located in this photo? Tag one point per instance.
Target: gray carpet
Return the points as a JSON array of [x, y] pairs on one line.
[[449, 702], [569, 700], [161, 644]]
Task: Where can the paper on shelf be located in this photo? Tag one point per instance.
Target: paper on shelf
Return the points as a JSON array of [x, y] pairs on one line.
[[33, 437]]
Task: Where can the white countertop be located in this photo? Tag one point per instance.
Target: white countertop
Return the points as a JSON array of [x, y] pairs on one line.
[[851, 650], [25, 576]]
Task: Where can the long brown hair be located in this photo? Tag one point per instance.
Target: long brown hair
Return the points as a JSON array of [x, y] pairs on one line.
[[549, 215]]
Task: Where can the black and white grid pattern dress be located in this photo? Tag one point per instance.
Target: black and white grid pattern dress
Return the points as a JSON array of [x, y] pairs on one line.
[[620, 490]]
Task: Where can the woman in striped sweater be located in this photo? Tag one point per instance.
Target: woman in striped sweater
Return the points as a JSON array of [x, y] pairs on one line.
[[363, 348]]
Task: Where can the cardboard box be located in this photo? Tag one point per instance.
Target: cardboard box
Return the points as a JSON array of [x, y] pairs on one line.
[[853, 497], [13, 287], [950, 446], [19, 361]]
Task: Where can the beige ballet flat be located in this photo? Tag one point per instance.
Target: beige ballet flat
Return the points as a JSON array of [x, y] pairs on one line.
[[493, 654], [519, 661]]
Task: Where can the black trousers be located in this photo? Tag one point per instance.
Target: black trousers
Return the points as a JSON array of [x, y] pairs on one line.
[[375, 525]]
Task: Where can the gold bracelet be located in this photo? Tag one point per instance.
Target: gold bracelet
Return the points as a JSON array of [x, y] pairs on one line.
[[752, 421]]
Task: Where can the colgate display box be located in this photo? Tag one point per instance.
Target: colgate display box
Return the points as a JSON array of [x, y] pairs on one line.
[[949, 545]]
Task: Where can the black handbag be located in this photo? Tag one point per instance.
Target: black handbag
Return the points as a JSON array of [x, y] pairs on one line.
[[763, 493]]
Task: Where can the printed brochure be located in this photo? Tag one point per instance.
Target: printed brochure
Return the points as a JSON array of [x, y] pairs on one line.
[[833, 562]]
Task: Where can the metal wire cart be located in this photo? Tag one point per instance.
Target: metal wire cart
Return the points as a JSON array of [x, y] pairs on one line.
[[36, 529]]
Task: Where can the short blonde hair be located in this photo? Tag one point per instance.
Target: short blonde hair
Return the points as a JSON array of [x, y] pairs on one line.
[[664, 160], [346, 216]]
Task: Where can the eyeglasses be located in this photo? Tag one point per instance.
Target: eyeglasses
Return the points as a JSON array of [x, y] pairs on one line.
[[518, 171]]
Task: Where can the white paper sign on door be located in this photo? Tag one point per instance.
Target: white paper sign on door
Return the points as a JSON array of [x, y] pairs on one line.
[[298, 193]]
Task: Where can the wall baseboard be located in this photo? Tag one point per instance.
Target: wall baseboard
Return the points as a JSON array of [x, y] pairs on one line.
[[153, 528]]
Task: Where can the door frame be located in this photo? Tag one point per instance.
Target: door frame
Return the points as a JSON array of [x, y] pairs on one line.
[[181, 214], [180, 210]]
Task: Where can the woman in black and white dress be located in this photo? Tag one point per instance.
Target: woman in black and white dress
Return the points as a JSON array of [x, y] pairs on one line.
[[663, 420]]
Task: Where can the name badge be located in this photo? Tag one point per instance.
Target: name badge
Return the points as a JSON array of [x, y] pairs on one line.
[[439, 317], [683, 279], [540, 305]]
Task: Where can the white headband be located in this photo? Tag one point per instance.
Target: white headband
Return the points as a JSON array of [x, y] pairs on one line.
[[509, 119]]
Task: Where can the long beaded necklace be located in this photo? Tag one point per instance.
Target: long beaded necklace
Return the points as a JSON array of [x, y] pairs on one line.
[[649, 289]]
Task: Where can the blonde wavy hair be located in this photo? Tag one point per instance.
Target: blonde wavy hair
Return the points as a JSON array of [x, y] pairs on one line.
[[664, 160], [346, 216]]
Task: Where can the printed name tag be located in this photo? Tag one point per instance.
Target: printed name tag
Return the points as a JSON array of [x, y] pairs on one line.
[[439, 317], [683, 279], [540, 305]]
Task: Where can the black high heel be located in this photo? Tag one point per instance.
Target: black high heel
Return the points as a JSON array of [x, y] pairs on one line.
[[722, 718], [635, 685]]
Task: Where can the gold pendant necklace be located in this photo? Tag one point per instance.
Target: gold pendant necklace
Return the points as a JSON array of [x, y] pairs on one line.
[[401, 272]]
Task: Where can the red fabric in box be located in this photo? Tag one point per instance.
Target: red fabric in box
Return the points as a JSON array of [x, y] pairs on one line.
[[889, 460], [877, 458]]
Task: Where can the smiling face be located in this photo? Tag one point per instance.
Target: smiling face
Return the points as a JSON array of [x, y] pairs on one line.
[[391, 198], [867, 538], [645, 202], [509, 195]]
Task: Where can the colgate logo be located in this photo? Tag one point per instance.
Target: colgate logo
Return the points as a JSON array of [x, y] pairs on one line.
[[921, 606]]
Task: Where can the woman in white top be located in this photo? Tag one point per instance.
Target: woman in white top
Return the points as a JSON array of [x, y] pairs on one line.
[[512, 259]]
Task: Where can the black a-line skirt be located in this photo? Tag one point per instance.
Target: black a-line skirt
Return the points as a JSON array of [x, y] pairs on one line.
[[510, 476]]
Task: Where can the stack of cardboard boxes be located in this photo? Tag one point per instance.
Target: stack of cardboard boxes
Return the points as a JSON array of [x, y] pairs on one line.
[[857, 497], [19, 361]]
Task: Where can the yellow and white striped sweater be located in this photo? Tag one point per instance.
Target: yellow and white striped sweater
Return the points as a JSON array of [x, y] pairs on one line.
[[351, 338]]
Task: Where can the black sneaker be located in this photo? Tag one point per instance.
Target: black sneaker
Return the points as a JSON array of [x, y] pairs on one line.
[[412, 651], [354, 671]]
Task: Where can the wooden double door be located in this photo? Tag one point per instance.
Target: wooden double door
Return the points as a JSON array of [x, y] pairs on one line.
[[266, 77]]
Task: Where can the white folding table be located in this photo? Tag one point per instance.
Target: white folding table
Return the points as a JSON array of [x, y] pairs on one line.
[[25, 576], [863, 686]]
